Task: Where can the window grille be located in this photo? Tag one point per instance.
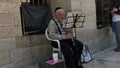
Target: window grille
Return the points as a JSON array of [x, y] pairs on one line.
[[35, 2], [103, 13], [35, 26]]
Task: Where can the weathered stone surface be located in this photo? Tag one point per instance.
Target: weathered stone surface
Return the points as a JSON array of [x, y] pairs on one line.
[[105, 59], [23, 42], [6, 19], [4, 0], [15, 6], [4, 58], [3, 31], [3, 7], [30, 41], [14, 1], [7, 44], [23, 63], [41, 52], [8, 66], [21, 54], [76, 6], [38, 39], [7, 32], [24, 56], [17, 30], [17, 20]]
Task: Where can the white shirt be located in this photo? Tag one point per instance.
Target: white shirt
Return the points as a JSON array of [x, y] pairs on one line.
[[116, 17]]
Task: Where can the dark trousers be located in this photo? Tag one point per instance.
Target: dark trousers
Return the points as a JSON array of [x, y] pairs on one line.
[[116, 29], [71, 51]]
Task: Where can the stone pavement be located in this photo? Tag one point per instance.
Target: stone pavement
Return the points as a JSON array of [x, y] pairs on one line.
[[105, 59]]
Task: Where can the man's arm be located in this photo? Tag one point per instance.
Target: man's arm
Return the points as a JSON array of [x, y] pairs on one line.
[[53, 31], [117, 12]]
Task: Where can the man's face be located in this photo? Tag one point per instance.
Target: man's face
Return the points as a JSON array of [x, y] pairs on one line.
[[60, 14]]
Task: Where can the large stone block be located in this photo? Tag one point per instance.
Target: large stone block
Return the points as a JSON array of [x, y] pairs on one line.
[[17, 31], [4, 0], [23, 63], [8, 66], [30, 41], [3, 33], [4, 58], [6, 19], [17, 20], [19, 55], [13, 8], [7, 44], [7, 32], [22, 42], [3, 7], [84, 6], [41, 52], [38, 40], [76, 6], [86, 35], [14, 1]]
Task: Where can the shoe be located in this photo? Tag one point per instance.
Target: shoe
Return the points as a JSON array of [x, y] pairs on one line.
[[117, 49]]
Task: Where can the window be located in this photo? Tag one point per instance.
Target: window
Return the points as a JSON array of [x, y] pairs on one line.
[[39, 2], [103, 13], [35, 16], [36, 2]]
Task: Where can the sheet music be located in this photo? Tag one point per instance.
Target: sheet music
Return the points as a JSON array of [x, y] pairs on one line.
[[70, 20]]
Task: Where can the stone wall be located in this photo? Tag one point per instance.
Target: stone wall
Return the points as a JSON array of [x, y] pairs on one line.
[[17, 50]]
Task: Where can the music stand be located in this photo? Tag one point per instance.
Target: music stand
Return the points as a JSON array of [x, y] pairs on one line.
[[74, 21]]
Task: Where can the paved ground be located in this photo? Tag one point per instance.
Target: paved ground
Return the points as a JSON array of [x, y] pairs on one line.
[[105, 59]]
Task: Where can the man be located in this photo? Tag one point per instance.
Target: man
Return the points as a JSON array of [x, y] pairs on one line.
[[72, 56], [116, 22]]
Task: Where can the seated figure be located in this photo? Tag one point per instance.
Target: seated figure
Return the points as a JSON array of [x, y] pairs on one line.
[[71, 48]]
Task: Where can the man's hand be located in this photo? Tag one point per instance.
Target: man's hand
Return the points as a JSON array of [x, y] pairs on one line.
[[70, 30], [112, 12], [68, 36]]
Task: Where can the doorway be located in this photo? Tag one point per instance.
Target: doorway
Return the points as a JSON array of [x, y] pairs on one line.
[[103, 15]]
